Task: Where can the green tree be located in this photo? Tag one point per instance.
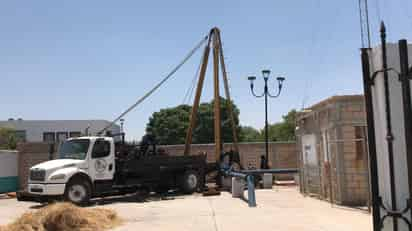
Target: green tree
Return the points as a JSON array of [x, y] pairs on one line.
[[284, 130], [12, 142], [7, 138], [250, 134], [170, 125]]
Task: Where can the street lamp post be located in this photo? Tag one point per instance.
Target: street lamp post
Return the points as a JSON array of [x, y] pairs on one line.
[[121, 125], [266, 93]]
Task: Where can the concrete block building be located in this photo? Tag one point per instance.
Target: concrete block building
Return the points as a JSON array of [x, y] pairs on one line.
[[332, 146], [54, 131]]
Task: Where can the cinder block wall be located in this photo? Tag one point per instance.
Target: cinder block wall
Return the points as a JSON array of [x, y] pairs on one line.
[[30, 154], [281, 154]]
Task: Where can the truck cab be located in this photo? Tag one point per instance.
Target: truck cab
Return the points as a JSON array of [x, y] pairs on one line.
[[80, 163]]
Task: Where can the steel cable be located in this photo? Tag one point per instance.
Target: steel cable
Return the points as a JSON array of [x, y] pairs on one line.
[[168, 76], [189, 91]]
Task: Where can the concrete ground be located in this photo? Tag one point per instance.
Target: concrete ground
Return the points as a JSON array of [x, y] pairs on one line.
[[282, 208]]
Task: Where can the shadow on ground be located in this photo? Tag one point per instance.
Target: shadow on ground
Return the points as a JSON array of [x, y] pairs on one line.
[[137, 198]]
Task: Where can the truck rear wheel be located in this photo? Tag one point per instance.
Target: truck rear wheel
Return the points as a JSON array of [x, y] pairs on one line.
[[78, 192], [190, 181]]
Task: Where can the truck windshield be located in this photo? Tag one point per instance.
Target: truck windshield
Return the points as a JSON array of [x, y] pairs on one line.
[[74, 149]]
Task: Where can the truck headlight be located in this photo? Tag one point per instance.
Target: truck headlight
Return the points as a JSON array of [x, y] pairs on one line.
[[60, 176]]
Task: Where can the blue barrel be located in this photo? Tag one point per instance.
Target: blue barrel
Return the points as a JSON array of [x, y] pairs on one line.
[[9, 181]]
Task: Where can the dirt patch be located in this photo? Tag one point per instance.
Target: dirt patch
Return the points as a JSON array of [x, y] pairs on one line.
[[65, 217]]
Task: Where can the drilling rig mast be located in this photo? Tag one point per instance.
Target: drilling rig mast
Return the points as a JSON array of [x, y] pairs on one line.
[[215, 43]]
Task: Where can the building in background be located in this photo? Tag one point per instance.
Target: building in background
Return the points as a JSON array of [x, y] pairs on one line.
[[332, 144], [55, 131]]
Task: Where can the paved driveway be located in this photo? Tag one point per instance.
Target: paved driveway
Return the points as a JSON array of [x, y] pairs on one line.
[[278, 209]]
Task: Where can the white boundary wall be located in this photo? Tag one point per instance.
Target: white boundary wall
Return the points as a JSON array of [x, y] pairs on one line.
[[397, 120], [8, 163]]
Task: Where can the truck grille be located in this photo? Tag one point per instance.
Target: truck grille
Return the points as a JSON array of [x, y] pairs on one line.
[[37, 174]]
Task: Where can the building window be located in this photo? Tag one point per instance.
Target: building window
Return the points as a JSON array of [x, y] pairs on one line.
[[74, 134], [61, 136], [20, 135], [360, 139], [49, 137]]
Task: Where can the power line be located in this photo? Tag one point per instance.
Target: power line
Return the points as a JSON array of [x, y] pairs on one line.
[[314, 35], [320, 57], [406, 10], [378, 11], [364, 23]]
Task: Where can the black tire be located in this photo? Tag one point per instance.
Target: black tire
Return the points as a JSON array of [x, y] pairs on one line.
[[78, 191], [190, 182], [21, 197]]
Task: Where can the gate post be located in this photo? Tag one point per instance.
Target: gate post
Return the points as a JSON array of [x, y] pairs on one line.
[[371, 138], [405, 77], [389, 112]]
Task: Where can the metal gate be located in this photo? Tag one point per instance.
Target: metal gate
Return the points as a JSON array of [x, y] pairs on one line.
[[311, 166], [386, 78]]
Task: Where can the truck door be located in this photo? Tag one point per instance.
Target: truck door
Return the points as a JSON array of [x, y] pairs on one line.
[[102, 160]]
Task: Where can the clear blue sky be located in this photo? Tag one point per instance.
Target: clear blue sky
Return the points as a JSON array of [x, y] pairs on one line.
[[92, 59]]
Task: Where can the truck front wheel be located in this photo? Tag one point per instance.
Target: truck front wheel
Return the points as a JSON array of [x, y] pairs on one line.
[[190, 181], [78, 192]]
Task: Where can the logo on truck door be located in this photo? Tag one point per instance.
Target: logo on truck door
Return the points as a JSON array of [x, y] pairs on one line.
[[100, 165]]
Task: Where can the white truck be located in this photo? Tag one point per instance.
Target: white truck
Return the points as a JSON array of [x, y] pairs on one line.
[[90, 167]]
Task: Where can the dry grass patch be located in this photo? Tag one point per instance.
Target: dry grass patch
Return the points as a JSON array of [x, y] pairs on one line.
[[65, 217]]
